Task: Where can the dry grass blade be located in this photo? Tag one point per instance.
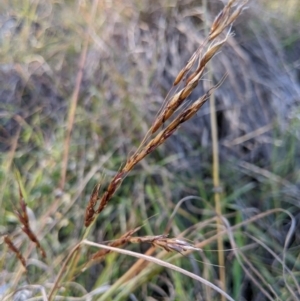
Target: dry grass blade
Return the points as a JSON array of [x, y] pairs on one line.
[[62, 271], [24, 220], [161, 263]]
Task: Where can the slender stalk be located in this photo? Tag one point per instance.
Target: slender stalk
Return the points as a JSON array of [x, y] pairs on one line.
[[74, 99], [62, 271], [215, 166], [217, 194], [71, 116]]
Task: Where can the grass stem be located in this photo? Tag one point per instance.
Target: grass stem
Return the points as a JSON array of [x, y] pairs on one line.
[[216, 166]]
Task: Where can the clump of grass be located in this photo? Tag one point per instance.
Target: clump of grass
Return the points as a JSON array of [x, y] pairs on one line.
[[193, 225], [149, 144]]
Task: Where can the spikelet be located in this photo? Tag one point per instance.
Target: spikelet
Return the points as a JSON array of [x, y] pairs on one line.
[[24, 220], [15, 250]]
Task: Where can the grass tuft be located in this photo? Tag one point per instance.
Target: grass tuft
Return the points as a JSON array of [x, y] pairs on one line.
[[81, 87]]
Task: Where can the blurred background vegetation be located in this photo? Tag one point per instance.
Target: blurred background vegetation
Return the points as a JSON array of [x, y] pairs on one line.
[[129, 53]]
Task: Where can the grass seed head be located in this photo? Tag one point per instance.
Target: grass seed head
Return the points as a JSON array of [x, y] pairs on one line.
[[24, 220], [15, 250]]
